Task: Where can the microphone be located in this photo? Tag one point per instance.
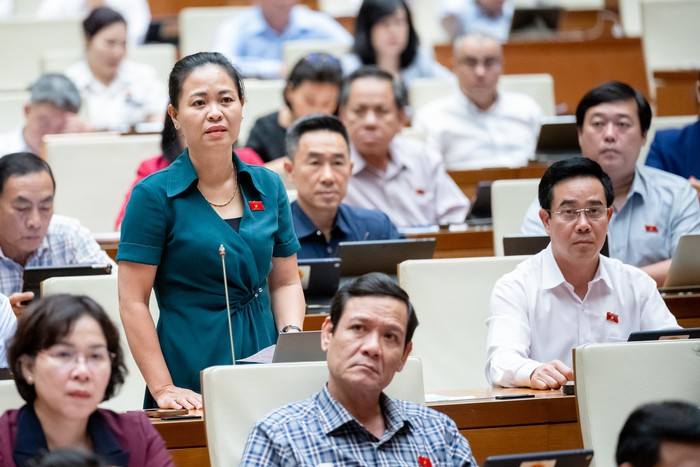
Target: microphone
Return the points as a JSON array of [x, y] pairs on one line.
[[222, 253]]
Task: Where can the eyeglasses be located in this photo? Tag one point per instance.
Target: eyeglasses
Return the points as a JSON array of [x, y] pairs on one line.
[[68, 359], [570, 214]]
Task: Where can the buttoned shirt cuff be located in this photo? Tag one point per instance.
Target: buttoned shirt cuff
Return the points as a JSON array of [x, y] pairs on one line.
[[522, 376]]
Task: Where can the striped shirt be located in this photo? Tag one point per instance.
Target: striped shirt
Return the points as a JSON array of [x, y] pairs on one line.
[[66, 242], [320, 431]]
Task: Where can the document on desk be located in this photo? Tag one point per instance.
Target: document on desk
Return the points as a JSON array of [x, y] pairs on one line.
[[264, 356], [442, 398]]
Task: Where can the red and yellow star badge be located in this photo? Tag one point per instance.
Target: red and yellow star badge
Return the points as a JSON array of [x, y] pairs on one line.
[[256, 206], [612, 317], [651, 229], [424, 462]]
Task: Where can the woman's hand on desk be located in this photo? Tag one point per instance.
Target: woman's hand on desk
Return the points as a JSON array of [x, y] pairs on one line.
[[173, 397]]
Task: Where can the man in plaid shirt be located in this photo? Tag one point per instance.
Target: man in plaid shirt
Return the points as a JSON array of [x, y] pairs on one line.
[[367, 339], [30, 233]]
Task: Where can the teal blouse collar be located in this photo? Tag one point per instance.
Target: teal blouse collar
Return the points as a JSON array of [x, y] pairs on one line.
[[182, 174]]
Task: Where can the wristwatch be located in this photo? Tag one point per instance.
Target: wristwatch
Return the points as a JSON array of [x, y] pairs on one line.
[[291, 326]]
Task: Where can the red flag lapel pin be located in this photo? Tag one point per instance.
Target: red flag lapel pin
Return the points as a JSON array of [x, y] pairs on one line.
[[612, 317], [424, 462], [651, 229], [256, 205]]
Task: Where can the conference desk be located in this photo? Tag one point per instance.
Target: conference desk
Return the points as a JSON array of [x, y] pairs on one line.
[[685, 306], [543, 423], [467, 180], [474, 241], [675, 92]]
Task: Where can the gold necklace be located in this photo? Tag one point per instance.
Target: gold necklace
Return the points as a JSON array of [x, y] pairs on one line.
[[235, 190]]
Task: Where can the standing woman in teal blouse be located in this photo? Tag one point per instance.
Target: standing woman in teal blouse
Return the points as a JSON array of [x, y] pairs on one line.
[[174, 223]]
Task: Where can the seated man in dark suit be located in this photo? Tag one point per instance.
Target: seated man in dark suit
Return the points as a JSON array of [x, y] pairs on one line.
[[677, 150], [320, 168]]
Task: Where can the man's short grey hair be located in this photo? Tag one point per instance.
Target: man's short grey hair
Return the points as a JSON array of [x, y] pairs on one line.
[[55, 89], [480, 36]]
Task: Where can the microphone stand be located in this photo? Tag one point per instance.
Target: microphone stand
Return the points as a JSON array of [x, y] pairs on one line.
[[222, 252]]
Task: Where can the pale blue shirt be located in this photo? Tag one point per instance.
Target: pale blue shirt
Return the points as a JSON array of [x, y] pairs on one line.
[[660, 208], [473, 20], [8, 326], [256, 49]]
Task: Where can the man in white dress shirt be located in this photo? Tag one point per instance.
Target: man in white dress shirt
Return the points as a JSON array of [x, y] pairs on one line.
[[568, 294], [401, 176], [53, 107], [481, 126]]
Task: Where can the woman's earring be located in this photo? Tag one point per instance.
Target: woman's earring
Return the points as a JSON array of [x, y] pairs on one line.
[[30, 379]]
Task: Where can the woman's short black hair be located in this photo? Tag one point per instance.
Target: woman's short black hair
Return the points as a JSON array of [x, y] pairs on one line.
[[47, 321], [186, 65], [100, 18], [373, 11], [316, 67]]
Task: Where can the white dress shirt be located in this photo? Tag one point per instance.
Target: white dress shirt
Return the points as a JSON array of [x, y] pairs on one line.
[[414, 190], [504, 135], [132, 96], [535, 316]]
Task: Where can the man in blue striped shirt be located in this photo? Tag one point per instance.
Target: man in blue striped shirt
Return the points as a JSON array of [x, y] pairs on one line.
[[367, 339]]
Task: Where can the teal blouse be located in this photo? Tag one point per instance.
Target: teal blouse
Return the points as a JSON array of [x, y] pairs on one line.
[[169, 224]]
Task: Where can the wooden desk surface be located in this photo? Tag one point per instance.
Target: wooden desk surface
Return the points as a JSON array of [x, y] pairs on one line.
[[685, 307], [543, 423], [467, 180], [476, 241], [675, 92]]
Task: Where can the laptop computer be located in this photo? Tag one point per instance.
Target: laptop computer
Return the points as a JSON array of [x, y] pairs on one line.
[[33, 276], [320, 278], [535, 22], [359, 258], [685, 263], [515, 245], [570, 458], [299, 347], [558, 139], [480, 208], [665, 334]]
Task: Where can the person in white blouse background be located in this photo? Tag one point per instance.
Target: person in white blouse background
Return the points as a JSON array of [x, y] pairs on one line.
[[118, 93]]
